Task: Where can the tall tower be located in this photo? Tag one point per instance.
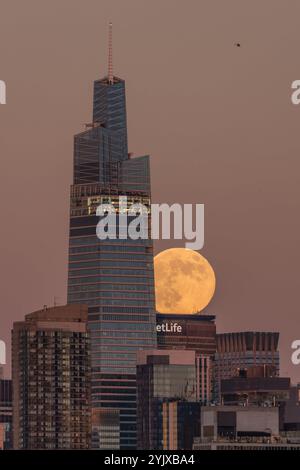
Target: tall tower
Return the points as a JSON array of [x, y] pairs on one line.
[[113, 277]]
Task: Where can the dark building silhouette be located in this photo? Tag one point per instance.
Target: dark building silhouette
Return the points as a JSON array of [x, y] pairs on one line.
[[51, 379], [114, 277]]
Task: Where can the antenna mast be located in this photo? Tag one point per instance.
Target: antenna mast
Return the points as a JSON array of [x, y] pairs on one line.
[[110, 58]]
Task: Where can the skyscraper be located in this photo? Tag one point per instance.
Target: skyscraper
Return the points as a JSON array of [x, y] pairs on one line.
[[51, 379], [195, 332], [164, 377], [114, 277]]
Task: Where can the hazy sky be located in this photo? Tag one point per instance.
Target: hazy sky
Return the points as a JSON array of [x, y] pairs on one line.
[[217, 120]]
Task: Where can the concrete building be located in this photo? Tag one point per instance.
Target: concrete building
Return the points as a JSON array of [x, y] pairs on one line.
[[241, 350], [51, 379], [232, 422]]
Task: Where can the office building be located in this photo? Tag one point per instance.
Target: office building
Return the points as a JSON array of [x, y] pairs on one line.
[[51, 379], [191, 332], [180, 424], [242, 350], [6, 413], [162, 376], [196, 332], [114, 277]]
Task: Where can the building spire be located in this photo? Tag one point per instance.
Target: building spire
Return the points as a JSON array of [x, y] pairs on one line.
[[110, 58]]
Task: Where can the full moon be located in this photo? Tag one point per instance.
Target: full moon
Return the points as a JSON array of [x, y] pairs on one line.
[[184, 281]]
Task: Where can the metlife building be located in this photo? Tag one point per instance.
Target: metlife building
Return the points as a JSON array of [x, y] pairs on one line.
[[196, 332]]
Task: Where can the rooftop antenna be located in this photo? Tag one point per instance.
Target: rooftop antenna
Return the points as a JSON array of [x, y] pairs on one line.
[[110, 58]]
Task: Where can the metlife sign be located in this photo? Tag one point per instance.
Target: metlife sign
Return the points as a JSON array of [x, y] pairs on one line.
[[169, 327]]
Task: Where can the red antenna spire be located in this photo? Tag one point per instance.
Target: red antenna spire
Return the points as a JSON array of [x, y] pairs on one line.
[[110, 58]]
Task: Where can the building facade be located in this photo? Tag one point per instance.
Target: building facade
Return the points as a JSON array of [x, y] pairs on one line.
[[260, 390], [162, 376], [113, 276], [292, 410], [196, 333], [242, 350], [180, 423], [51, 379], [105, 428], [234, 422]]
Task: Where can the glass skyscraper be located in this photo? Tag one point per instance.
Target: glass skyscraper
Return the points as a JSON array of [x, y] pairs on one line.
[[114, 277], [164, 377]]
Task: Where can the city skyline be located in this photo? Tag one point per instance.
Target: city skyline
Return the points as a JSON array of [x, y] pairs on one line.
[[236, 304]]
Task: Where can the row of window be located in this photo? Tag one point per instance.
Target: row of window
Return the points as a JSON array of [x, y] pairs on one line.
[[118, 270], [121, 340], [110, 294], [107, 362], [111, 355], [120, 263], [110, 256], [116, 302], [107, 404], [109, 249], [109, 287], [120, 326], [134, 279], [111, 245], [121, 334]]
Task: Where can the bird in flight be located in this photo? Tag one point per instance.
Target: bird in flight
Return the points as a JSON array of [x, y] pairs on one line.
[[237, 44]]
